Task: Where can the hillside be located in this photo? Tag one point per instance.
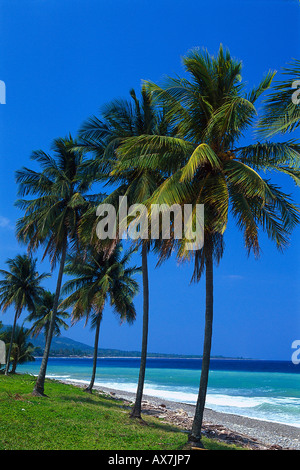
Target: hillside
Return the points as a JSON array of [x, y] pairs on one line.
[[64, 346]]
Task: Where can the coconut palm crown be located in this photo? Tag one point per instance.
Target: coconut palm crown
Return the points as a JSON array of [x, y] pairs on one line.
[[41, 318], [21, 288], [97, 279]]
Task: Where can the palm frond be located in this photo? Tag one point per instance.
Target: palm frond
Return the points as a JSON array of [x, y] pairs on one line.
[[281, 112]]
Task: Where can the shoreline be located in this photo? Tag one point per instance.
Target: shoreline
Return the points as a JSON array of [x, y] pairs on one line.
[[217, 358], [248, 432]]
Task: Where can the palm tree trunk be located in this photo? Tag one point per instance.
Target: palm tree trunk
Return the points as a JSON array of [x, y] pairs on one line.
[[90, 387], [136, 411], [17, 314], [14, 365], [195, 436], [40, 383]]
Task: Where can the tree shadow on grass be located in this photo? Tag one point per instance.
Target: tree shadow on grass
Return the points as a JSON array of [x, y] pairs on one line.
[[104, 401], [96, 400]]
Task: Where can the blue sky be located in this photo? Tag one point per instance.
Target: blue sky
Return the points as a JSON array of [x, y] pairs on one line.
[[61, 60]]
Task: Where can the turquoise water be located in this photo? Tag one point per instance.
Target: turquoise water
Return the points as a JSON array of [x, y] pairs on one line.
[[268, 390]]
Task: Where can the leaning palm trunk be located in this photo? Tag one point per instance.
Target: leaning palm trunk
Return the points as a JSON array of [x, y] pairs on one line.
[[136, 411], [90, 387], [195, 436], [40, 382], [17, 314], [15, 363]]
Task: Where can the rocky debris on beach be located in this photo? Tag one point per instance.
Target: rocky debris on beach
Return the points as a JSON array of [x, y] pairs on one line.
[[182, 419]]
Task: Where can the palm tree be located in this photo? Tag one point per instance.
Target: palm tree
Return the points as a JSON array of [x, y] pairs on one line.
[[99, 278], [120, 121], [20, 287], [212, 113], [22, 350], [51, 219], [43, 314]]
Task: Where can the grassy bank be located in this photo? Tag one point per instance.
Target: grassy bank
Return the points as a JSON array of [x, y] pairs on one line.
[[71, 419]]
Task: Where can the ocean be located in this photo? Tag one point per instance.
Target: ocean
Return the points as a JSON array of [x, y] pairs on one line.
[[267, 390]]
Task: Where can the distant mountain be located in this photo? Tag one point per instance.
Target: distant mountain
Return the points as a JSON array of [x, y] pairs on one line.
[[63, 346], [60, 345]]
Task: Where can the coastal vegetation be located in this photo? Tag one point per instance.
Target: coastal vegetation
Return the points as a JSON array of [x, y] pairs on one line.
[[183, 142]]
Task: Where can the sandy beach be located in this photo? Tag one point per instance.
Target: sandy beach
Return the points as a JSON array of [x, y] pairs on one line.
[[247, 432]]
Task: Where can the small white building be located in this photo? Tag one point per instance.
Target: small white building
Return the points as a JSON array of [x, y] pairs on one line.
[[2, 352]]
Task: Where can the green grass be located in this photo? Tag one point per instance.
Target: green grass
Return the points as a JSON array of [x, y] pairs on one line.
[[71, 419]]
